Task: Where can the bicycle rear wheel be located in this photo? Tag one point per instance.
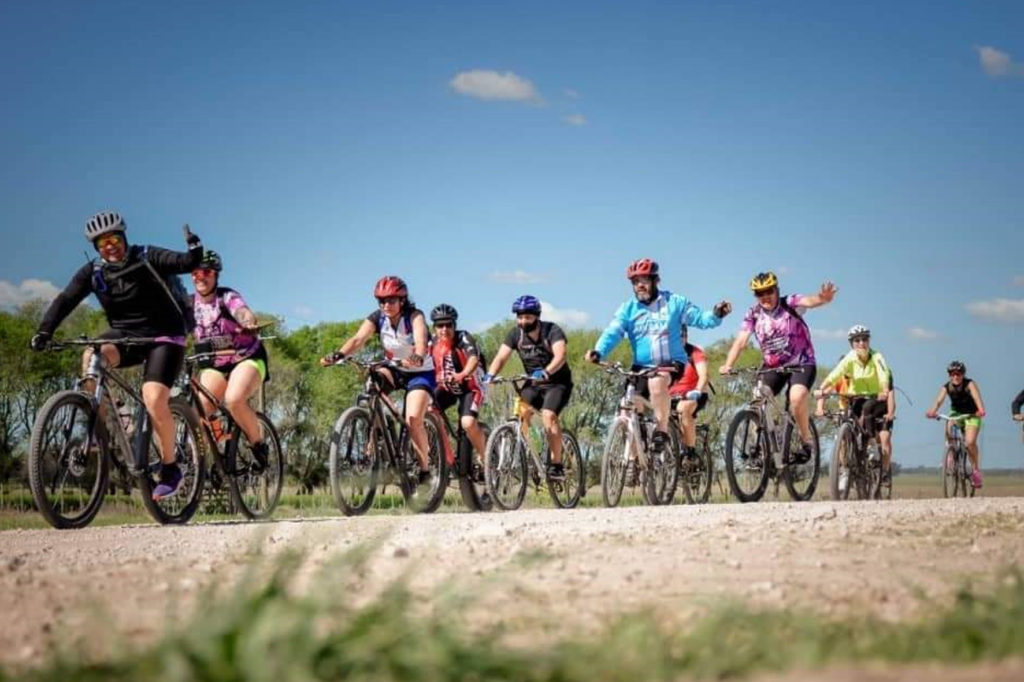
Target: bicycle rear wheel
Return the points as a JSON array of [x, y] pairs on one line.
[[614, 462], [746, 457], [190, 456], [566, 492], [801, 479], [505, 467], [68, 465], [254, 490], [353, 463], [697, 474], [664, 474]]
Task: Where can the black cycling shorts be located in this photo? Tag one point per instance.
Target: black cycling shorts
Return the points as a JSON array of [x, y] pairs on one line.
[[674, 372], [776, 380], [552, 397], [161, 361], [875, 409], [701, 402], [469, 402]]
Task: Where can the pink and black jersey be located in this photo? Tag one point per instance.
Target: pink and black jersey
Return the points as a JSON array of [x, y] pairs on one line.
[[216, 325], [782, 333]]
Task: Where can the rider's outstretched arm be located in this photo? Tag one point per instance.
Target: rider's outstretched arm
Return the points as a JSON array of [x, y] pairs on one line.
[[939, 399], [500, 358], [1017, 403], [614, 333], [362, 335], [738, 344], [74, 293], [976, 394], [825, 295], [696, 317]]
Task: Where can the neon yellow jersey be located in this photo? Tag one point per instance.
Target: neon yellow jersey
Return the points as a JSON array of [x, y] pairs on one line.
[[859, 378]]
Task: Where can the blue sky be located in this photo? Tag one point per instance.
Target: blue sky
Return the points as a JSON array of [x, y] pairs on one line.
[[483, 150]]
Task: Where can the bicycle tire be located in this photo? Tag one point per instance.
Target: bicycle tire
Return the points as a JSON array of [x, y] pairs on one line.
[[53, 508], [843, 445], [614, 463], [749, 462], [798, 473], [665, 471], [566, 493], [474, 493], [949, 473], [353, 465], [697, 482], [505, 467], [967, 486], [425, 500], [255, 495], [190, 455]]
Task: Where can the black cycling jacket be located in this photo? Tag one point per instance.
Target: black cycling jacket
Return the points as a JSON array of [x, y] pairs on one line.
[[1017, 403], [133, 299]]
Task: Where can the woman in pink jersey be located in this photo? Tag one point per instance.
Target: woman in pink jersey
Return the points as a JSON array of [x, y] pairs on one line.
[[785, 341]]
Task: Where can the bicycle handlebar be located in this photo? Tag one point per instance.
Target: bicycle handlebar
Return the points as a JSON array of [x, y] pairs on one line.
[[617, 368], [128, 341]]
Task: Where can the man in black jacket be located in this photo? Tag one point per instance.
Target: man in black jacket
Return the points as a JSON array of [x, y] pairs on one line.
[[131, 286], [1015, 406]]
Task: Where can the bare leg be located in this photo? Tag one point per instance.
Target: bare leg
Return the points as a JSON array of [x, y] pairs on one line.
[[474, 433], [416, 404], [242, 383], [660, 400], [215, 382], [971, 440], [155, 395], [800, 409], [554, 433], [688, 421]]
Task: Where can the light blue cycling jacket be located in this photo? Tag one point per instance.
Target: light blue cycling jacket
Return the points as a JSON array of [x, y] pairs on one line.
[[655, 329]]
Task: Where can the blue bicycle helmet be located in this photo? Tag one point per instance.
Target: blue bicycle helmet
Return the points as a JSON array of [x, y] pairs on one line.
[[526, 304]]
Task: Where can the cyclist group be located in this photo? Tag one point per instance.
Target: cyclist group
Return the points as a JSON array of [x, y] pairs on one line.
[[134, 285]]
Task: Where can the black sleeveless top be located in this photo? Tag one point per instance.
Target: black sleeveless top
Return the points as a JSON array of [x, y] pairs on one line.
[[960, 398]]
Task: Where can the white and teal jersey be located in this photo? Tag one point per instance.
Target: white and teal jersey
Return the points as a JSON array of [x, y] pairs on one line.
[[655, 329]]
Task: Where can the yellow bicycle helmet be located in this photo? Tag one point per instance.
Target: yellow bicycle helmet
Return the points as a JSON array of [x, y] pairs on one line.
[[764, 280]]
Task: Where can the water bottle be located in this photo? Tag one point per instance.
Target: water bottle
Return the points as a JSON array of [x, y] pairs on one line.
[[124, 414]]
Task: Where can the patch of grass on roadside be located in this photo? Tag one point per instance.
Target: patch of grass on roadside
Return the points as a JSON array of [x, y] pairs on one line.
[[266, 630]]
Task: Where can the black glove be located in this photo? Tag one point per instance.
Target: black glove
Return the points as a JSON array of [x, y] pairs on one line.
[[190, 239], [334, 358], [40, 340], [722, 309], [592, 356]]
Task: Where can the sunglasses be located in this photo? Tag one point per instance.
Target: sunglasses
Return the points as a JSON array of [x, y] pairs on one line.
[[764, 293], [390, 300], [203, 272], [860, 339], [107, 240], [642, 280], [444, 325], [956, 374]]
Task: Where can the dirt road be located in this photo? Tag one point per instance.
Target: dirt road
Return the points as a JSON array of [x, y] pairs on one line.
[[549, 571]]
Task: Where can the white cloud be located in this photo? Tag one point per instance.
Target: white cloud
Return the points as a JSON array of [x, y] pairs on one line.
[[834, 334], [576, 120], [1007, 310], [997, 63], [922, 334], [1018, 281], [13, 295], [491, 85], [517, 277], [567, 317]]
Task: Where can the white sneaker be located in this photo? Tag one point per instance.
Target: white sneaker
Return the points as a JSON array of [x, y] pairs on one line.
[[844, 481]]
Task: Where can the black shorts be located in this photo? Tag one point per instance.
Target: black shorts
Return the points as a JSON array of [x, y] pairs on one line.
[[469, 402], [874, 408], [161, 361], [674, 372], [552, 397], [701, 402], [803, 375]]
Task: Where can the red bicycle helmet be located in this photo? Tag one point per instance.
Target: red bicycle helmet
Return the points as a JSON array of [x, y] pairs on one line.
[[644, 267], [389, 285]]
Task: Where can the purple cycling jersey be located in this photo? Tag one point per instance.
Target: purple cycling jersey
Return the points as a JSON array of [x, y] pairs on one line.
[[215, 324], [783, 337]]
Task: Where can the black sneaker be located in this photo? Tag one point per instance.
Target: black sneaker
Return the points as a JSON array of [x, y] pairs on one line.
[[688, 458], [659, 441], [477, 474], [804, 454], [260, 453], [424, 477], [556, 471]]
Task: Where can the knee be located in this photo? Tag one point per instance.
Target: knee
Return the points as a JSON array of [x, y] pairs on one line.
[[232, 402], [414, 420], [468, 423]]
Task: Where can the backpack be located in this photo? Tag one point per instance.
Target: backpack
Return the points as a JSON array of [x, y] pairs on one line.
[[171, 284]]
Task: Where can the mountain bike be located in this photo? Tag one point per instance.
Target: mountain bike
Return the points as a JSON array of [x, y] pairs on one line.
[[856, 463], [72, 447], [254, 486], [760, 446], [370, 441], [956, 464], [462, 463], [511, 462], [695, 475], [628, 446]]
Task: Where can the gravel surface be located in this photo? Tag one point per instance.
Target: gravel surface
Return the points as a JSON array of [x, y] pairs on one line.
[[544, 572]]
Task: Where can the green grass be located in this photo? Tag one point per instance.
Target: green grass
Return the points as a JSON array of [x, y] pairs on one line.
[[265, 630]]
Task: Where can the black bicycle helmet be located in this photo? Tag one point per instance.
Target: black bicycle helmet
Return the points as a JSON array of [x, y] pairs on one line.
[[443, 311]]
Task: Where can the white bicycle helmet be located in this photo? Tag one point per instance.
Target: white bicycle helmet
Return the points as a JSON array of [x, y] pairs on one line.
[[858, 330], [103, 223]]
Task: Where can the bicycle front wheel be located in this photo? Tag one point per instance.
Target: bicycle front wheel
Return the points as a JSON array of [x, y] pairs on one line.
[[256, 486], [697, 474], [67, 461], [614, 462], [427, 498], [472, 484], [190, 456], [352, 463], [505, 467], [839, 464], [565, 493], [801, 479], [746, 458]]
